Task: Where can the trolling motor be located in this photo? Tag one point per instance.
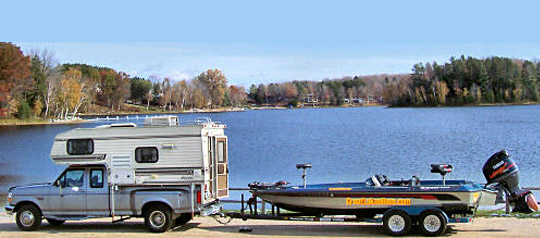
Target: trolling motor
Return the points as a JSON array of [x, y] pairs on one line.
[[501, 170], [303, 167]]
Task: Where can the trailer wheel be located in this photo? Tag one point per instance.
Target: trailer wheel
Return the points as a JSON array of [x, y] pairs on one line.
[[432, 223], [54, 222], [28, 217], [158, 218], [183, 219], [397, 222]]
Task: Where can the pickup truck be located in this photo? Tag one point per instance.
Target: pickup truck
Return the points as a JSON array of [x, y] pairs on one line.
[[82, 191]]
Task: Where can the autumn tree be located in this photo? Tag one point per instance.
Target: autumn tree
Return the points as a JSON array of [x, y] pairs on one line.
[[69, 94], [238, 95], [215, 82], [179, 93], [14, 71]]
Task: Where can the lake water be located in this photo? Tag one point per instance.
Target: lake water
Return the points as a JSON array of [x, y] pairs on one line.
[[342, 144]]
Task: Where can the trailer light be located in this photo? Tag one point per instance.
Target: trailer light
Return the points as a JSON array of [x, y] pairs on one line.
[[199, 196], [476, 196]]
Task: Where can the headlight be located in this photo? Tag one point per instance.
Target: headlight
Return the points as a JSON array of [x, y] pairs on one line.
[[9, 198]]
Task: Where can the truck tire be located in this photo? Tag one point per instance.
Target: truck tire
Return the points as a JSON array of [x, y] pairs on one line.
[[397, 222], [158, 218], [432, 223], [28, 217], [183, 219], [54, 222]]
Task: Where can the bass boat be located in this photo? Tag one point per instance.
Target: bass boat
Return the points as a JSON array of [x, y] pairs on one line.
[[378, 194]]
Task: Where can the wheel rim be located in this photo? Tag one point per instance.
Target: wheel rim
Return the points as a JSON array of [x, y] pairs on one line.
[[157, 219], [27, 218], [432, 223], [396, 223]]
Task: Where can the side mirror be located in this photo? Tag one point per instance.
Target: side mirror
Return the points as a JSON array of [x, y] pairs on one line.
[[57, 183]]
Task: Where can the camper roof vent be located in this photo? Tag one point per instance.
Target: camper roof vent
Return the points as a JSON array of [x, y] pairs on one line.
[[118, 125], [203, 120], [161, 121]]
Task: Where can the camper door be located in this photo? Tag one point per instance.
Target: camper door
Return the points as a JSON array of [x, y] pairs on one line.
[[222, 166]]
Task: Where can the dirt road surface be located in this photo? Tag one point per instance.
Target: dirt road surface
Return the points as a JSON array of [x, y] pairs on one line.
[[208, 227]]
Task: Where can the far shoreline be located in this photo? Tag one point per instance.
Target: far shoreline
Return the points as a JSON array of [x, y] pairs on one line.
[[84, 118]]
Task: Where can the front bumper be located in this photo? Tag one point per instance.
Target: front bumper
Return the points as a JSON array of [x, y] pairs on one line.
[[9, 209]]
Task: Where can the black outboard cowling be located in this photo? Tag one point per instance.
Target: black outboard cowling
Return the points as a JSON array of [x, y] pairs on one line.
[[502, 169]]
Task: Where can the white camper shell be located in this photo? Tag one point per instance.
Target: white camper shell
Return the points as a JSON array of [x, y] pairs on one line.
[[160, 153]]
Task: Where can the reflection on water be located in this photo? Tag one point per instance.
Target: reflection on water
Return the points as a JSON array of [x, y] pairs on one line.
[[343, 144]]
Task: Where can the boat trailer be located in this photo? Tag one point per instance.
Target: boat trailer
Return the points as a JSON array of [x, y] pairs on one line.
[[249, 210]]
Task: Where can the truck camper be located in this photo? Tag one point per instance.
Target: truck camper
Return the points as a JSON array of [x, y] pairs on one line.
[[163, 171]]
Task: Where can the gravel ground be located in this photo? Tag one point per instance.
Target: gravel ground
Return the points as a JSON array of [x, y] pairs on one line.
[[208, 227]]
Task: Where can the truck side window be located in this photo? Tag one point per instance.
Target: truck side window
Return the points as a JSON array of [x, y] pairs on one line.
[[146, 154], [80, 146], [96, 178], [72, 178]]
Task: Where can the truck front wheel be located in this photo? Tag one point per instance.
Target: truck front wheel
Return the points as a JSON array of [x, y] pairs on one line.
[[28, 217], [158, 218]]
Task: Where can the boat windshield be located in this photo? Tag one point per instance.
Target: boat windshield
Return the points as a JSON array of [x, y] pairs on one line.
[[373, 181]]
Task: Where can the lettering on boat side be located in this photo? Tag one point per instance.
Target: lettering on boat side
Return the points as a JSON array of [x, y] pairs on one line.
[[377, 201]]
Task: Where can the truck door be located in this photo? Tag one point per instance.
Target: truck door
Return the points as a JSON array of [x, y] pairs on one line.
[[222, 167], [73, 192], [97, 194]]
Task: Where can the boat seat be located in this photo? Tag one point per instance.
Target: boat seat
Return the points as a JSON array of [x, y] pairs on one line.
[[303, 166], [442, 169]]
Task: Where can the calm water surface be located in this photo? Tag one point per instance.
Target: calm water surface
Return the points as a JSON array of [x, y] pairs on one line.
[[342, 144]]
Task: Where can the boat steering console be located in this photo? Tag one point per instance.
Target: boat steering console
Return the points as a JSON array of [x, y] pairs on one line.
[[303, 167]]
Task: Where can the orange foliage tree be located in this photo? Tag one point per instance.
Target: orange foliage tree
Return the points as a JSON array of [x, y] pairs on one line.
[[14, 70]]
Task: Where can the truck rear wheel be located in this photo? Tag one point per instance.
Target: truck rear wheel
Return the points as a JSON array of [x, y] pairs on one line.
[[158, 218], [397, 222], [28, 217], [183, 219], [432, 223]]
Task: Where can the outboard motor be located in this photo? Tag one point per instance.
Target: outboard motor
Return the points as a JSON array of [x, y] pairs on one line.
[[502, 169]]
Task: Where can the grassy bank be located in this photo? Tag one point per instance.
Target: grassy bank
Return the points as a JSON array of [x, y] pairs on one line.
[[36, 121]]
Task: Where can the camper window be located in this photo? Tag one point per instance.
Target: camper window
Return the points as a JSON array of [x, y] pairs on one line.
[[80, 146], [96, 178], [221, 152], [146, 155]]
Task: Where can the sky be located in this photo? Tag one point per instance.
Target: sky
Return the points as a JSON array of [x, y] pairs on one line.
[[271, 41]]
